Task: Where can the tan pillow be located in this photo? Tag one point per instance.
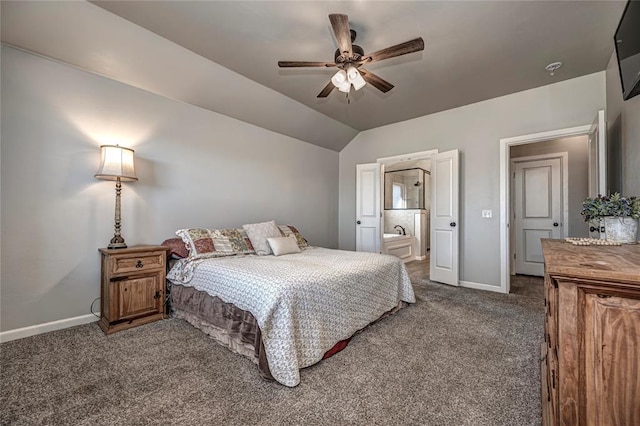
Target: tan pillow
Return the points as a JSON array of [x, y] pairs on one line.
[[283, 245]]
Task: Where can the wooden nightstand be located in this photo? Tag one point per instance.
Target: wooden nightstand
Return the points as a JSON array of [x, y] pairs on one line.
[[132, 289]]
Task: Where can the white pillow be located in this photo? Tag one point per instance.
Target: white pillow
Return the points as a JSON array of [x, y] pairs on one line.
[[284, 245], [258, 234]]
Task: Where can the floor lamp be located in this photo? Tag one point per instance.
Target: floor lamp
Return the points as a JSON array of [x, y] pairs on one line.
[[117, 164]]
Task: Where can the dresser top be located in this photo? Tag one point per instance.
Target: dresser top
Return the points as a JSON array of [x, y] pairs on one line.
[[619, 263], [133, 249]]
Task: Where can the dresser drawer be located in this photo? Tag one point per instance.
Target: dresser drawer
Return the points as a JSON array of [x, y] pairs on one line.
[[133, 263]]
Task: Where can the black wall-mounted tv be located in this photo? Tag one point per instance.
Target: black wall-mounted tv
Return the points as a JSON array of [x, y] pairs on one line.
[[627, 42]]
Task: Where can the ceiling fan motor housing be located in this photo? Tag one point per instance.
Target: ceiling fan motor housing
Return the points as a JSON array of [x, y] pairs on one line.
[[358, 53]]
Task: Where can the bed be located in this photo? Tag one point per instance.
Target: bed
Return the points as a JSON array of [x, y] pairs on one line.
[[287, 312]]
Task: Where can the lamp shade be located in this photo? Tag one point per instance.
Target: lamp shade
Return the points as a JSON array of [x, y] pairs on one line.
[[358, 82], [117, 162], [352, 73], [354, 77], [339, 78]]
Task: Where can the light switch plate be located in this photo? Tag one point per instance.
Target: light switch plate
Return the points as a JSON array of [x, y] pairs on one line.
[[487, 213]]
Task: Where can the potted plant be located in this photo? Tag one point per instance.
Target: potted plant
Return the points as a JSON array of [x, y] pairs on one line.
[[620, 215]]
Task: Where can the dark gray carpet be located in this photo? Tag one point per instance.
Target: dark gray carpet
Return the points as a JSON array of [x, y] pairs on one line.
[[457, 357]]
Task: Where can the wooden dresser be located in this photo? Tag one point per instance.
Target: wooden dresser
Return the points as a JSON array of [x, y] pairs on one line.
[[591, 354]]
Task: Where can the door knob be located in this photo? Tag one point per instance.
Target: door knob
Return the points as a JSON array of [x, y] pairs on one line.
[[358, 222], [453, 224], [555, 223]]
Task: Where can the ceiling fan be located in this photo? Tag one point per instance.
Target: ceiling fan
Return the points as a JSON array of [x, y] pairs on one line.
[[350, 57]]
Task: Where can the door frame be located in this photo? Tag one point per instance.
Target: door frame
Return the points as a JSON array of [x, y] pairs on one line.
[[505, 189], [564, 176]]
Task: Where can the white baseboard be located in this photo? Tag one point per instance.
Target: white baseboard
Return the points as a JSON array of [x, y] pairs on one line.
[[20, 333], [420, 257], [480, 286]]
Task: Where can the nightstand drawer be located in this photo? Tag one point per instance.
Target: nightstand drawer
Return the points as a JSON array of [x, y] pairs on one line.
[[143, 262]]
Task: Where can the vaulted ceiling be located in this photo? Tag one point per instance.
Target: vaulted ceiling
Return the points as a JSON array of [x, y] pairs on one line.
[[474, 51]]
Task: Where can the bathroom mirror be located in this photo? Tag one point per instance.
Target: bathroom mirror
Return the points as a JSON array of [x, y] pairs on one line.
[[405, 189]]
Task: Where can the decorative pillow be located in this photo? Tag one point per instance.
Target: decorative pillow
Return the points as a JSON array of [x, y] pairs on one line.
[[283, 245], [232, 240], [215, 242], [287, 230], [177, 248], [258, 234]]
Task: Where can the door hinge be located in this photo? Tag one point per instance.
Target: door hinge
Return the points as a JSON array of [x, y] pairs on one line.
[[514, 255]]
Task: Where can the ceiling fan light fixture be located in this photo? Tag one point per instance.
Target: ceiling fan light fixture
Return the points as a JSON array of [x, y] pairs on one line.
[[339, 78], [352, 73], [345, 87], [355, 78], [358, 82]]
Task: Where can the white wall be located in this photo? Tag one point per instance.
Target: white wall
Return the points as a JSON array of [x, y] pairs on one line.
[[623, 125], [195, 168], [476, 130]]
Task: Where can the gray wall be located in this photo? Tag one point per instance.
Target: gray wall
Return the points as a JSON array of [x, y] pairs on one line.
[[577, 150], [476, 131], [196, 168], [623, 133]]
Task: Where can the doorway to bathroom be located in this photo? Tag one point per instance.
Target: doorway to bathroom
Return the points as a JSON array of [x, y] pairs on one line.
[[406, 204], [441, 215]]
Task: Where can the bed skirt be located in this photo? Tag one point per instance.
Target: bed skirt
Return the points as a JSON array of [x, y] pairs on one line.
[[231, 326]]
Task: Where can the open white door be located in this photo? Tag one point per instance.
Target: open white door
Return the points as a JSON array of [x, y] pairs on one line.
[[597, 167], [368, 208], [444, 218], [597, 156]]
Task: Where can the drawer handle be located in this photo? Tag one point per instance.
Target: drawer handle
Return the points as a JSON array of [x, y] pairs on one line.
[[139, 264]]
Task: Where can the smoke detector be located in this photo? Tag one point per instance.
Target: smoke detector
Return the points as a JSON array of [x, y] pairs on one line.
[[553, 67]]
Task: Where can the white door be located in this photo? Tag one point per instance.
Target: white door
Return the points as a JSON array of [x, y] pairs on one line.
[[444, 218], [538, 211], [597, 167], [367, 208]]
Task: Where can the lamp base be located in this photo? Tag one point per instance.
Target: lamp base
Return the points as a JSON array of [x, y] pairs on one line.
[[117, 242], [117, 246]]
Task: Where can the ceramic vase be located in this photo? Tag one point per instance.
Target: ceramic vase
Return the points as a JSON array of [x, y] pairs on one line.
[[621, 229]]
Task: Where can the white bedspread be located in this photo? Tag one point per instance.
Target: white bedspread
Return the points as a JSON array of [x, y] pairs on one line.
[[305, 302]]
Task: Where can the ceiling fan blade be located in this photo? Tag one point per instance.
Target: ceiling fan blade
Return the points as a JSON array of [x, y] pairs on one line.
[[294, 64], [380, 84], [340, 25], [327, 89], [410, 46]]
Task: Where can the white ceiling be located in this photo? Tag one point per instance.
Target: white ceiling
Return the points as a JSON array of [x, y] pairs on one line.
[[474, 50]]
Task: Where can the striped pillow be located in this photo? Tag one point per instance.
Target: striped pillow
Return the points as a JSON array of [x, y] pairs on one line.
[[287, 230]]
